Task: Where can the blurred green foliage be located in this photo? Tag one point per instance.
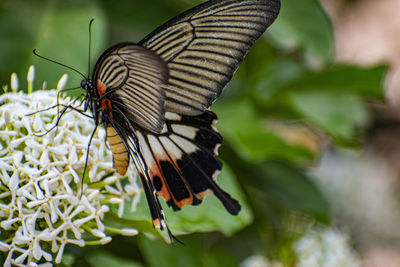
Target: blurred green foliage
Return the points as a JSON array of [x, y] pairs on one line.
[[287, 96]]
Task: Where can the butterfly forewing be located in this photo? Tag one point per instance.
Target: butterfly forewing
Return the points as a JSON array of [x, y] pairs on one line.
[[204, 46], [132, 78]]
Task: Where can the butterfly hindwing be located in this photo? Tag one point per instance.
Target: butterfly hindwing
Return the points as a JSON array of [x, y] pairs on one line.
[[205, 45], [182, 162]]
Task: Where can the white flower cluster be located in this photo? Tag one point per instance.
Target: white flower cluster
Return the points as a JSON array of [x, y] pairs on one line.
[[318, 247], [326, 247], [41, 208]]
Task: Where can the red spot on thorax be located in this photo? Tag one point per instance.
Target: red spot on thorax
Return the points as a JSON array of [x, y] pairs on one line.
[[101, 87], [106, 104]]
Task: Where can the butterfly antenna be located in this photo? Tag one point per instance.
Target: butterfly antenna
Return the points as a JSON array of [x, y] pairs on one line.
[[58, 63], [90, 44]]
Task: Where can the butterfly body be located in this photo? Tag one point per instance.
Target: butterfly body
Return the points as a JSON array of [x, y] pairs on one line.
[[153, 99]]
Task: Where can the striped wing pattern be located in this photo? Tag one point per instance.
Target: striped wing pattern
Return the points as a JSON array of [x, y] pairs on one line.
[[132, 78], [204, 46], [182, 163]]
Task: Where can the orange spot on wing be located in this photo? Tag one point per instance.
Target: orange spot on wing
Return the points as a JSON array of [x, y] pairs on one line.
[[186, 201], [156, 223], [165, 191], [101, 87], [203, 194], [155, 172]]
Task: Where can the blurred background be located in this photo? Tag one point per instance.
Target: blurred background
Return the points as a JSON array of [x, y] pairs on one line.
[[310, 123]]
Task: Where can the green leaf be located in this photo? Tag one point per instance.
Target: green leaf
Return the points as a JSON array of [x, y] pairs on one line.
[[275, 76], [277, 187], [105, 259], [339, 114], [159, 254], [240, 124], [365, 81], [292, 188], [195, 252], [304, 24], [328, 97]]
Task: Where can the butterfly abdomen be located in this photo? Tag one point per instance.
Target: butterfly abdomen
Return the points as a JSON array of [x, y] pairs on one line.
[[118, 148]]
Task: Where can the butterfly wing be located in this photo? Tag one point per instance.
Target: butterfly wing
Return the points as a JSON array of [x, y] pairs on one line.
[[182, 163], [132, 77], [204, 46]]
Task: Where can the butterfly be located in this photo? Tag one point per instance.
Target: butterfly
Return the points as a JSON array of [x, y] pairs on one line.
[[153, 98]]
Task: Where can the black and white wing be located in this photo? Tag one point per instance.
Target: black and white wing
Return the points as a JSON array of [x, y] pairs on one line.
[[205, 45], [181, 160]]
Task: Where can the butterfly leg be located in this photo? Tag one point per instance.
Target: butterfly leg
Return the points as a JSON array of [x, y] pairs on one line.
[[86, 161]]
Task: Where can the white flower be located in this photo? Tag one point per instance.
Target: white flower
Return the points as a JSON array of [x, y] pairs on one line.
[[318, 247], [62, 82], [14, 82], [124, 231], [326, 247], [255, 261], [41, 209], [31, 74]]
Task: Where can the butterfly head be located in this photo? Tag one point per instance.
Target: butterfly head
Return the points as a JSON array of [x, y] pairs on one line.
[[89, 99], [87, 84]]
